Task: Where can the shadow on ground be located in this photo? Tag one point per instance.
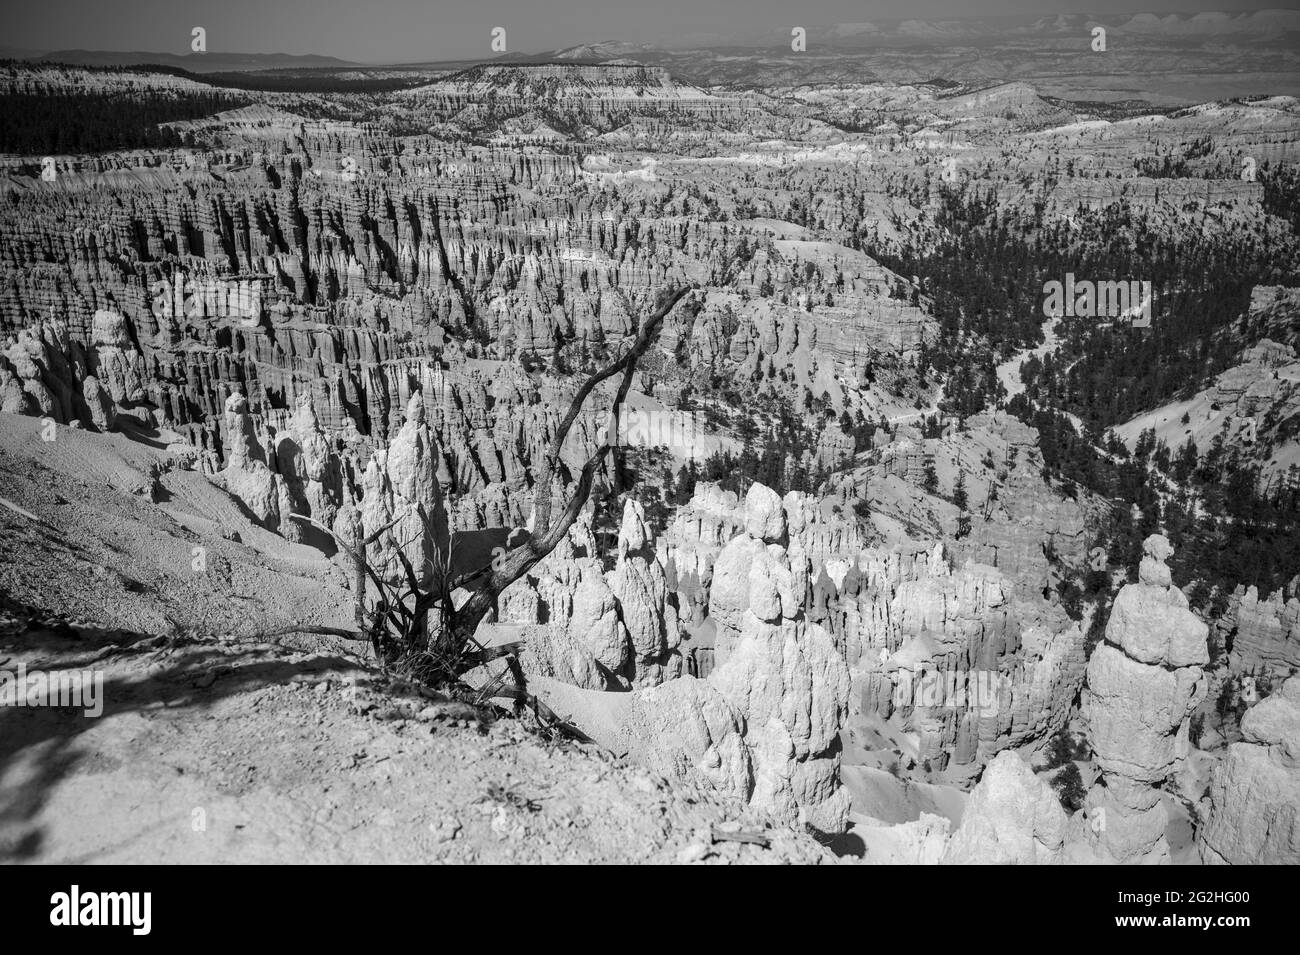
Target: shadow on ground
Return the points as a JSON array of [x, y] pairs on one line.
[[158, 672]]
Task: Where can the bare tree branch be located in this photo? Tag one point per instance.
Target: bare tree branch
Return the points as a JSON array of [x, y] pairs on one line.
[[505, 570], [627, 362]]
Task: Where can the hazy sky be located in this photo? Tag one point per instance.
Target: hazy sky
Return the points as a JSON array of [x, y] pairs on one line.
[[410, 30]]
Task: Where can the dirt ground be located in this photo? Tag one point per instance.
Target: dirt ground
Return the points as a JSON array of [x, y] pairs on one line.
[[252, 752]]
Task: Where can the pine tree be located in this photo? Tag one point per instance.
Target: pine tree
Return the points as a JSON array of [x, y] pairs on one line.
[[959, 498]]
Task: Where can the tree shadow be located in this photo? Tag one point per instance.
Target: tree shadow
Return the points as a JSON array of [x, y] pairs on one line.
[[131, 427], [41, 747], [843, 844]]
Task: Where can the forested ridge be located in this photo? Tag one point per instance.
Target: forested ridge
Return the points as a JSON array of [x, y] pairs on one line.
[[985, 277], [50, 123]]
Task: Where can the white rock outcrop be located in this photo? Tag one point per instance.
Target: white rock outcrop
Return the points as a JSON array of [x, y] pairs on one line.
[[646, 608], [764, 725], [246, 474], [1009, 669], [1011, 818], [782, 673], [686, 727], [311, 469]]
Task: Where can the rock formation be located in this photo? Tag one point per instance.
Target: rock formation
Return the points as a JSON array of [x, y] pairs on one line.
[[952, 654], [246, 474], [310, 466], [1011, 818], [764, 723], [1142, 684], [625, 619], [377, 333], [781, 672], [645, 607], [402, 502]]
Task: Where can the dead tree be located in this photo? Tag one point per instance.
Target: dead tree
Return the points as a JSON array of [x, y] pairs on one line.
[[419, 627], [545, 536]]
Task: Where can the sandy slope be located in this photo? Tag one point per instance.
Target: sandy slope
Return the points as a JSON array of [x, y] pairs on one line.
[[116, 542]]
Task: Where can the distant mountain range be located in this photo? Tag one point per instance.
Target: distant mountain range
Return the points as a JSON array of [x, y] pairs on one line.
[[192, 62], [872, 33], [1271, 25]]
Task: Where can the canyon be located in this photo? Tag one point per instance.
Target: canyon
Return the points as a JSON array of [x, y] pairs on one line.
[[250, 382]]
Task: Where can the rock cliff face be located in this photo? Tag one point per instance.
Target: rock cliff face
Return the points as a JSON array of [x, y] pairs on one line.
[[46, 373], [313, 472], [700, 529], [1017, 520], [1265, 634], [578, 601], [1011, 818], [647, 609], [1142, 686], [712, 518], [291, 281], [246, 474], [314, 258], [950, 654], [968, 656], [1254, 814], [613, 103]]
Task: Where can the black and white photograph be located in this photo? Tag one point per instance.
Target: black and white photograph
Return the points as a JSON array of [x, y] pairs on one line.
[[699, 432]]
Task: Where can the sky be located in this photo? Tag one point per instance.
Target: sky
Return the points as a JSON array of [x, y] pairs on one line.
[[387, 31]]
